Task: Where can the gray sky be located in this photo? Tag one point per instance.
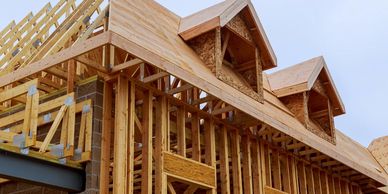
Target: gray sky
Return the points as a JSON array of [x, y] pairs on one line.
[[352, 35]]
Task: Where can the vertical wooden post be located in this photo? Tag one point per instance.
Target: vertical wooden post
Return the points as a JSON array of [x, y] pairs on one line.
[[71, 128], [302, 178], [120, 137], [105, 138], [210, 149], [263, 165], [181, 128], [267, 162], [317, 181], [70, 75], [34, 117], [259, 74], [286, 177], [294, 175], [146, 176], [218, 52], [256, 168], [325, 182], [195, 137], [247, 164], [310, 180], [131, 137], [224, 161], [236, 165], [160, 144], [275, 163]]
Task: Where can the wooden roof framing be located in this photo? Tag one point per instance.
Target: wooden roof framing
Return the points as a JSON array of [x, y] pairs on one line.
[[154, 35]]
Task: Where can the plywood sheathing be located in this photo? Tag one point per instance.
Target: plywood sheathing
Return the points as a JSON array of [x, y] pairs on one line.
[[301, 77], [149, 31]]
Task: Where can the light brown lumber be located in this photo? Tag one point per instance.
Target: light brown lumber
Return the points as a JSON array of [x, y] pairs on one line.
[[275, 166], [247, 164], [224, 161], [317, 181], [131, 137], [195, 137], [181, 136], [120, 162], [286, 177], [210, 150], [53, 129], [257, 177], [71, 129], [325, 182], [146, 176], [106, 138], [310, 180], [302, 178], [57, 58], [70, 75], [236, 162], [160, 144]]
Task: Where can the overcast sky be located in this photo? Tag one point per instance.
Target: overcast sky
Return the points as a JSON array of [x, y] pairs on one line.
[[352, 35]]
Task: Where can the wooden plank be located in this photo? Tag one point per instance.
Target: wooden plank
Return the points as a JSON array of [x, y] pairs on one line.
[[53, 129], [324, 182], [146, 175], [247, 164], [120, 137], [189, 170], [160, 144], [71, 129], [18, 90], [317, 181], [286, 177], [256, 168], [302, 178], [224, 161], [181, 136], [210, 150], [275, 164], [34, 117], [270, 190], [293, 175], [70, 76], [57, 58], [106, 138], [128, 64], [310, 180], [131, 137], [195, 137], [236, 162]]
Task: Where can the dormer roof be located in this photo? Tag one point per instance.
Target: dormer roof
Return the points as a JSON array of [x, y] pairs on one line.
[[301, 78], [222, 13]]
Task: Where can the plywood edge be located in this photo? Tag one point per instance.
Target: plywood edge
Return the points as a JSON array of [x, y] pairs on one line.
[[302, 87], [200, 29]]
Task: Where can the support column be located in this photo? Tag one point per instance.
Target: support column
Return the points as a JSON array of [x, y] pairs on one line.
[[146, 175], [210, 150], [120, 137], [161, 129]]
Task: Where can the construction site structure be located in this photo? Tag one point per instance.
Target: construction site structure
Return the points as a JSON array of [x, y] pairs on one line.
[[124, 96]]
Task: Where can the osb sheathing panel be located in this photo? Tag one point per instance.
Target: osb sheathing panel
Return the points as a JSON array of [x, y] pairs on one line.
[[204, 46], [297, 104], [238, 26], [314, 127], [379, 149]]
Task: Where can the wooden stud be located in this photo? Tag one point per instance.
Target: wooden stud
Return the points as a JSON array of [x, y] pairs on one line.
[[195, 137], [247, 164], [210, 150], [53, 129], [275, 164], [236, 165], [120, 180], [106, 138], [256, 168], [181, 128], [160, 144], [224, 161], [131, 137], [302, 178], [146, 175]]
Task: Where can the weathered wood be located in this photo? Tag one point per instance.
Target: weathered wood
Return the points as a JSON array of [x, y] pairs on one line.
[[161, 144], [195, 137], [247, 164], [181, 134]]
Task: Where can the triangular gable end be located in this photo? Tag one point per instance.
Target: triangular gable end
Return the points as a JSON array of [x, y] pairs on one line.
[[220, 15]]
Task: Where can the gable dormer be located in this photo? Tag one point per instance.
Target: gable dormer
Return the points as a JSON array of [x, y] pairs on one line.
[[230, 40], [308, 90]]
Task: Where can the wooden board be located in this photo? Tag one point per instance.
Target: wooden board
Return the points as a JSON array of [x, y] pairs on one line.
[[189, 170]]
